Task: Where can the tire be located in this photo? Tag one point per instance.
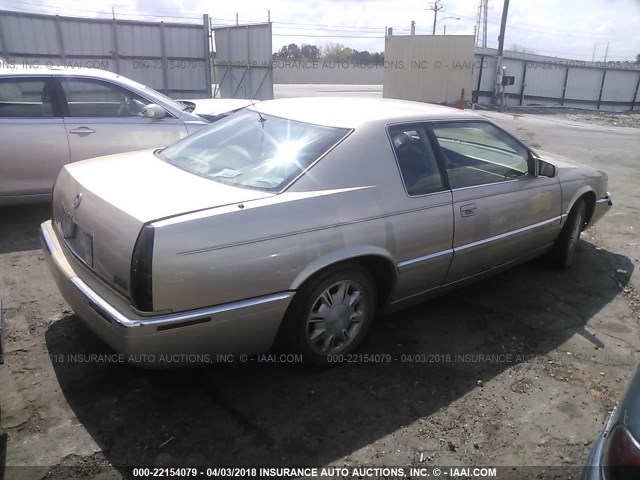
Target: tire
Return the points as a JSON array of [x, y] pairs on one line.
[[563, 250], [330, 316]]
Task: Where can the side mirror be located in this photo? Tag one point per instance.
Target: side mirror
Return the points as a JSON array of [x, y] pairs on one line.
[[546, 169], [154, 111]]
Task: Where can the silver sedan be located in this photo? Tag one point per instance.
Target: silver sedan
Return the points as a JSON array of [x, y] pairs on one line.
[[50, 117], [291, 224]]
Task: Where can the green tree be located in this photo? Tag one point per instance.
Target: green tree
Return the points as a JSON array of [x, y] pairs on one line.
[[360, 57], [377, 58], [310, 52], [288, 52], [337, 52]]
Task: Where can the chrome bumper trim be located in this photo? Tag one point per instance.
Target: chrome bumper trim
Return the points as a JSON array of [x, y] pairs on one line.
[[165, 321], [425, 258], [106, 311], [607, 199], [47, 241], [508, 234]]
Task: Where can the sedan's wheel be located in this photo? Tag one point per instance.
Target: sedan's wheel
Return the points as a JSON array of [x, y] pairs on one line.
[[335, 317], [563, 250], [330, 316]]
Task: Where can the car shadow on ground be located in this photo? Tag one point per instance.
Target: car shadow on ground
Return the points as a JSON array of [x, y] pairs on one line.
[[266, 414], [19, 227]]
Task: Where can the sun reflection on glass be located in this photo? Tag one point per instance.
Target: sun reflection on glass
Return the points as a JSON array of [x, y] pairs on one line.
[[286, 153]]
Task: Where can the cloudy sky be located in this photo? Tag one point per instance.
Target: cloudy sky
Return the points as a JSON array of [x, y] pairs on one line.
[[562, 28]]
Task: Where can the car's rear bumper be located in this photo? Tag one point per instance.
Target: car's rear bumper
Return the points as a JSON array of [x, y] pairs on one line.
[[602, 206], [196, 336]]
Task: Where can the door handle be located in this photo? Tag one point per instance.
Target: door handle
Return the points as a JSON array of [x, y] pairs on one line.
[[468, 210], [82, 131]]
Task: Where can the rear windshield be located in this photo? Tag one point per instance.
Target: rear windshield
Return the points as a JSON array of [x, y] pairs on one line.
[[251, 150]]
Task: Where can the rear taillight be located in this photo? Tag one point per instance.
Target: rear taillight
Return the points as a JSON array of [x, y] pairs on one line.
[[141, 270], [621, 458]]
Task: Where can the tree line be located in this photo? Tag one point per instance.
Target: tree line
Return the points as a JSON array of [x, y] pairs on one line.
[[340, 53], [332, 52]]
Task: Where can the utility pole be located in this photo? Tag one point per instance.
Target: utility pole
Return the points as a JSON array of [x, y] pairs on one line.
[[606, 52], [593, 56], [500, 72], [503, 26], [435, 8]]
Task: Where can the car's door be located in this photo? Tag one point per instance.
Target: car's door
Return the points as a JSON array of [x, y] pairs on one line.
[[102, 118], [502, 210], [424, 232], [33, 143]]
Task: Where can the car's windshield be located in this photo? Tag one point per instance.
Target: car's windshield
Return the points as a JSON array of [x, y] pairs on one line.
[[251, 150]]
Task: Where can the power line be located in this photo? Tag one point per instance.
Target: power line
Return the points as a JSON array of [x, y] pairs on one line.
[[287, 29], [346, 28], [323, 36], [127, 13], [331, 26], [545, 30], [435, 8]]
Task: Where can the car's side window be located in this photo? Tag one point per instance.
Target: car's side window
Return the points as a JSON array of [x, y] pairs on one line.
[[416, 160], [25, 97], [477, 153], [92, 98]]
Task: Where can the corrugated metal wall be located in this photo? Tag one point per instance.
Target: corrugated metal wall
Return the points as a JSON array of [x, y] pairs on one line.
[[428, 68], [552, 81], [243, 67], [170, 57]]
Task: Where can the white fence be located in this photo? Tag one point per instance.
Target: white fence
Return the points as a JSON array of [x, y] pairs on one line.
[[539, 80], [243, 67], [175, 59], [169, 57], [552, 81]]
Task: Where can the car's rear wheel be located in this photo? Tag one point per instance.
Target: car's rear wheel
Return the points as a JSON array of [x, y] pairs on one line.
[[564, 248], [330, 316]]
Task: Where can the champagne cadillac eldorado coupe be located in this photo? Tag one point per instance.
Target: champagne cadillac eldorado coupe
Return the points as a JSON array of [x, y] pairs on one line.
[[290, 224]]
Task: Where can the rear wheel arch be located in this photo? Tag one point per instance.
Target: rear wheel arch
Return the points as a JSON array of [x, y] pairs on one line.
[[378, 265], [319, 332]]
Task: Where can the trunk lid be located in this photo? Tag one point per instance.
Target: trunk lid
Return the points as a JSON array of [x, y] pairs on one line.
[[100, 206]]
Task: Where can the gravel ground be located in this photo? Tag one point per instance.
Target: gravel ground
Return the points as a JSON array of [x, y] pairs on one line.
[[520, 370], [591, 117], [606, 119]]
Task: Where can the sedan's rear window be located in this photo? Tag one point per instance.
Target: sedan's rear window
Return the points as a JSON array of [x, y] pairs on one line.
[[251, 150]]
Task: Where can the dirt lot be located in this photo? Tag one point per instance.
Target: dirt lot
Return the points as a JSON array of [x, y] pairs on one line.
[[520, 370], [607, 119]]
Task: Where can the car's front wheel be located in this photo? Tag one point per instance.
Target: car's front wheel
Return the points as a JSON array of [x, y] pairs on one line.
[[564, 249], [330, 316]]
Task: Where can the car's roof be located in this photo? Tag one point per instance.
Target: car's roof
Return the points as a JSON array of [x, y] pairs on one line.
[[352, 112]]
